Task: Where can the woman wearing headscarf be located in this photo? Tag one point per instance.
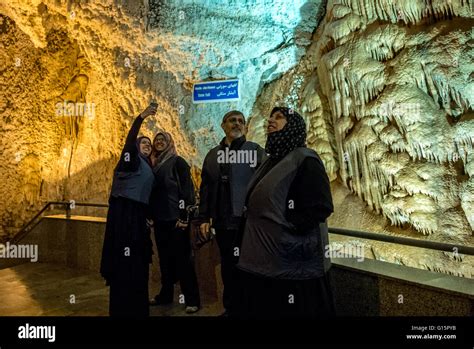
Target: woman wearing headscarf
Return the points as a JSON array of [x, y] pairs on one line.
[[282, 259], [127, 250], [172, 194]]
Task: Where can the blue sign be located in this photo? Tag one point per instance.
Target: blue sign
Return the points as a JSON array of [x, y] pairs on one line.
[[216, 91]]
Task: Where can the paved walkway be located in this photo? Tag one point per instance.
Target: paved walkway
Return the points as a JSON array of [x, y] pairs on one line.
[[43, 289]]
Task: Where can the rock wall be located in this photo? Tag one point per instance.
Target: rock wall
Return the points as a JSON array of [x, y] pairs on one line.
[[388, 92], [386, 87], [73, 74]]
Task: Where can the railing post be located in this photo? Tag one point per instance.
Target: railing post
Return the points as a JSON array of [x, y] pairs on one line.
[[68, 210]]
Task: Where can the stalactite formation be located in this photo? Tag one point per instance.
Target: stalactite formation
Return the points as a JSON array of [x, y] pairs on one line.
[[388, 92]]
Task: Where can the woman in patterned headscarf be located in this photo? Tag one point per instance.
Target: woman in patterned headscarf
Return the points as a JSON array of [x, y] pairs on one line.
[[172, 194], [282, 257]]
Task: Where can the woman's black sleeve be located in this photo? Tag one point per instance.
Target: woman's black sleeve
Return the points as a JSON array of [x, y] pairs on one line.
[[129, 160], [186, 187], [309, 199]]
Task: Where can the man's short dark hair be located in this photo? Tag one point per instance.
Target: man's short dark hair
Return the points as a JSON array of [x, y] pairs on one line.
[[232, 112]]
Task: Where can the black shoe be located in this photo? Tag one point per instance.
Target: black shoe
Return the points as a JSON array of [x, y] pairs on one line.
[[190, 309]]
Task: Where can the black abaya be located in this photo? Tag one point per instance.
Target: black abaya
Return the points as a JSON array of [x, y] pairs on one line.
[[264, 297], [126, 256]]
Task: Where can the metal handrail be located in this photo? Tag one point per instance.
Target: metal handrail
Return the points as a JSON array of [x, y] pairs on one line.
[[67, 204], [432, 245], [26, 228]]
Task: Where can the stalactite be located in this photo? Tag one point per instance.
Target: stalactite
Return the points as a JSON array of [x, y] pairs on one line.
[[407, 11]]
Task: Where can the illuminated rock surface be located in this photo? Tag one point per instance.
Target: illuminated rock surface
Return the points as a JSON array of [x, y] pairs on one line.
[[388, 91]]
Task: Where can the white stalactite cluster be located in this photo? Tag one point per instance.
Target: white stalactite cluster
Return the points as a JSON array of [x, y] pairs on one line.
[[386, 130], [398, 78], [319, 137]]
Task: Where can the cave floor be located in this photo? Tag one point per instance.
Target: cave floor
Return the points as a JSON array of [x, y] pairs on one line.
[[44, 289]]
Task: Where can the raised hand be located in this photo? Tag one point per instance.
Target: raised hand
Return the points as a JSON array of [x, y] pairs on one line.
[[150, 110]]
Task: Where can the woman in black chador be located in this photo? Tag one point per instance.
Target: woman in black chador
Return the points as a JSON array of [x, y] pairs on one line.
[[127, 245], [172, 194], [282, 256]]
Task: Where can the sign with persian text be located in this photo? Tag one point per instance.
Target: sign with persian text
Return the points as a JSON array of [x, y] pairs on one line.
[[216, 91]]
